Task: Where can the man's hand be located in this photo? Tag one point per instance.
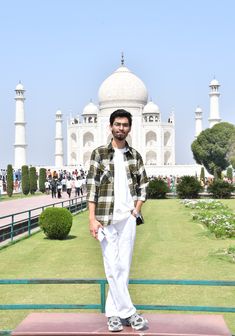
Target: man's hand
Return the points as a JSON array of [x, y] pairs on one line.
[[94, 226]]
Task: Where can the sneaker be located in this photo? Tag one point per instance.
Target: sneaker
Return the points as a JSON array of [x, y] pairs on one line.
[[115, 324], [136, 321]]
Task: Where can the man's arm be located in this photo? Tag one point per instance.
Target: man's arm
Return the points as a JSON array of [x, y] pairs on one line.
[[93, 184], [94, 225], [138, 206], [137, 209], [142, 182]]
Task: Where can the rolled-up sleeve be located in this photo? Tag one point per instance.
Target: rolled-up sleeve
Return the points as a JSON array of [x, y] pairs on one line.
[[142, 181]]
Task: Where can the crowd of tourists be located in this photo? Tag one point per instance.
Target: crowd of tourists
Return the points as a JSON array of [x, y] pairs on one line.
[[73, 183]]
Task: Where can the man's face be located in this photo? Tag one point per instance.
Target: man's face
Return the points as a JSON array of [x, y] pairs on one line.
[[120, 128]]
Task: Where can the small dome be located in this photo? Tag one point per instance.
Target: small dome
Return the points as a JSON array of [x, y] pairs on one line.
[[19, 87], [58, 112], [151, 108], [198, 109], [123, 85], [214, 82], [90, 108]]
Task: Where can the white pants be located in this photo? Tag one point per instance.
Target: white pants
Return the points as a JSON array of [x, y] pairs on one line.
[[117, 248]]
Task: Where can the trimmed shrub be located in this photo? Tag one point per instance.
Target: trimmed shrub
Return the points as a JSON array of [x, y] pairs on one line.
[[188, 187], [202, 175], [157, 188], [10, 184], [42, 179], [32, 180], [220, 189], [56, 222], [230, 173], [25, 180], [216, 175]]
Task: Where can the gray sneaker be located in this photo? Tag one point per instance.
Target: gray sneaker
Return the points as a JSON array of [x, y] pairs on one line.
[[136, 321], [115, 324]]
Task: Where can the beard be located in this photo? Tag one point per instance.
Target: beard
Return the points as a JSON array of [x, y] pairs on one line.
[[119, 135]]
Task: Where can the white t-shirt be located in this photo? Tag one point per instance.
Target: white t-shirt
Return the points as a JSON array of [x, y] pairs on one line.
[[123, 202]]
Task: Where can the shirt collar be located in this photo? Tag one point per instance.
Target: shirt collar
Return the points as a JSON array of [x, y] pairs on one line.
[[111, 149]]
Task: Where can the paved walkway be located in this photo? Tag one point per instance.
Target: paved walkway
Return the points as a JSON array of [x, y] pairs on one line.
[[80, 324], [26, 204]]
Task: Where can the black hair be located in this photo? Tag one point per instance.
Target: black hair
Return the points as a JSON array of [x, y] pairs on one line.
[[121, 113]]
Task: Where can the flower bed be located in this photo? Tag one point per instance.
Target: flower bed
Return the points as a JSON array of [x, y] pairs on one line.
[[215, 215]]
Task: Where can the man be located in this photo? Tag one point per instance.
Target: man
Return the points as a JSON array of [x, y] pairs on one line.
[[53, 186], [116, 190], [78, 186]]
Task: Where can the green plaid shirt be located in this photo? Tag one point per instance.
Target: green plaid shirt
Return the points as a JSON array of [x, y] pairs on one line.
[[100, 180]]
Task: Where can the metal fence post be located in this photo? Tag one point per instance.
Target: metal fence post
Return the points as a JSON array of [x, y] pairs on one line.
[[29, 223], [102, 295], [12, 227]]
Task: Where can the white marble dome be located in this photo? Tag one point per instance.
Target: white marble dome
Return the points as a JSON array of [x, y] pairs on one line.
[[58, 112], [19, 87], [198, 109], [89, 109], [123, 85], [214, 82], [151, 108]]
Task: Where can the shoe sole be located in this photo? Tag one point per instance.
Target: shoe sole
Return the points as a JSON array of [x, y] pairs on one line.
[[141, 326], [115, 330]]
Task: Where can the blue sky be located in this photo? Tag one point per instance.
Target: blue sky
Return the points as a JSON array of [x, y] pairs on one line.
[[62, 50]]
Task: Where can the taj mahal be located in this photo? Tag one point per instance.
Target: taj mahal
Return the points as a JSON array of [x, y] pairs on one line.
[[151, 136]]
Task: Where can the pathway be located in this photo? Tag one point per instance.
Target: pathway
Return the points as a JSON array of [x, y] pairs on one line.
[[25, 204]]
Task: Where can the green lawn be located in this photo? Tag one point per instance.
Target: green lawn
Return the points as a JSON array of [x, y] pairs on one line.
[[168, 246]]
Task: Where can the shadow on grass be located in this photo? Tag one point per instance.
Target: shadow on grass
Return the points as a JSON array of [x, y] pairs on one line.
[[69, 237]]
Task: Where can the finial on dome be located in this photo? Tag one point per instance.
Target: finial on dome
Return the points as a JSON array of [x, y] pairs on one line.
[[122, 59]]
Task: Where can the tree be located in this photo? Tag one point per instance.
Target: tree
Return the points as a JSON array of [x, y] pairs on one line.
[[231, 151], [10, 184], [42, 179], [25, 180], [32, 180], [211, 147]]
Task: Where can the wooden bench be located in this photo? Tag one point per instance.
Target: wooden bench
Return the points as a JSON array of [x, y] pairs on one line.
[[84, 324]]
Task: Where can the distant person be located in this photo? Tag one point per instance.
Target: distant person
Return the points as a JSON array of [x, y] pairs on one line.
[[63, 183], [69, 186], [47, 187], [59, 188], [53, 187], [78, 186]]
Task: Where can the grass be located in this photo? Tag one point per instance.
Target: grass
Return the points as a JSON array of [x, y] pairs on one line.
[[168, 246]]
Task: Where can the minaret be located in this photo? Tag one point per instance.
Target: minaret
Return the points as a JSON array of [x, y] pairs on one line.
[[59, 156], [214, 103], [171, 118], [20, 142], [198, 121]]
